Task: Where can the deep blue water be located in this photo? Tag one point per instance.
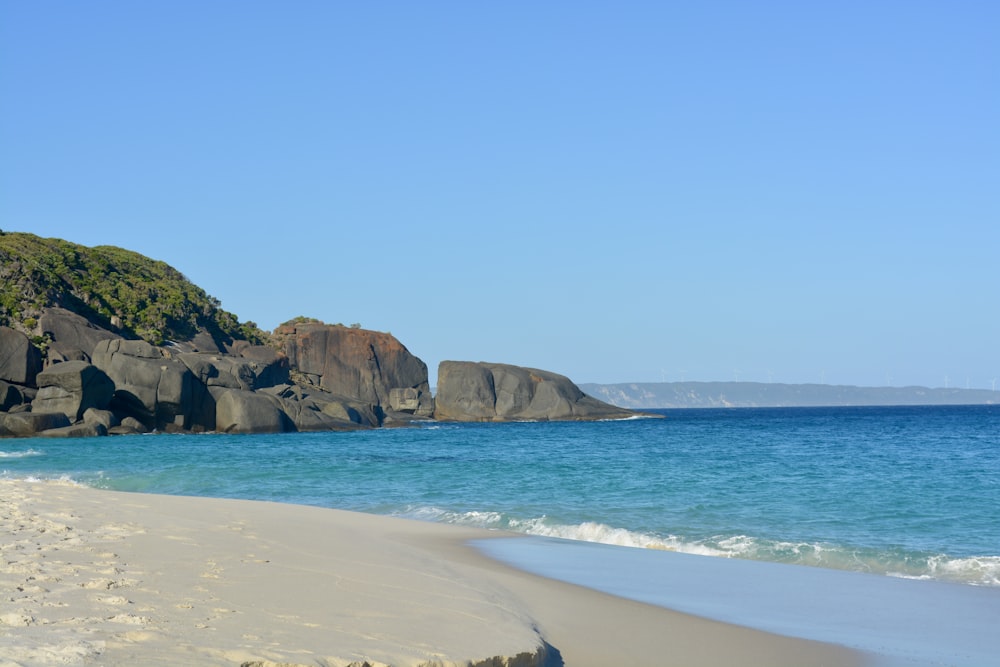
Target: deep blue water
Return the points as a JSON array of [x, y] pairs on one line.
[[905, 491]]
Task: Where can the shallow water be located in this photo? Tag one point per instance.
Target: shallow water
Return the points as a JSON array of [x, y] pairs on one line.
[[898, 622], [908, 492]]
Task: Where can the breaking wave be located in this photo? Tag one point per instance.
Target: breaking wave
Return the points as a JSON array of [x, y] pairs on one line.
[[977, 570], [21, 455]]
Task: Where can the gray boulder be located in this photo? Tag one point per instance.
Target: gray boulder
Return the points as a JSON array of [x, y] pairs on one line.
[[409, 402], [238, 411], [20, 361], [312, 409], [106, 418], [220, 371], [72, 387], [469, 391], [73, 336], [312, 415], [465, 392], [270, 367], [81, 430], [159, 391], [10, 396], [29, 424], [128, 426], [251, 368]]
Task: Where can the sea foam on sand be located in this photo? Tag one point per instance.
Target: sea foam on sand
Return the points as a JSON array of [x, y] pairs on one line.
[[91, 577]]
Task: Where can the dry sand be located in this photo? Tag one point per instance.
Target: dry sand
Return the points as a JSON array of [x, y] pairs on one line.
[[92, 577]]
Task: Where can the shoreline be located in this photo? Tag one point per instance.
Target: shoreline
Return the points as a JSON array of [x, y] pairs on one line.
[[115, 578], [898, 621]]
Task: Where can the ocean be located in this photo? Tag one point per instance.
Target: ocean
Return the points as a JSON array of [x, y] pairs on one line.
[[870, 495]]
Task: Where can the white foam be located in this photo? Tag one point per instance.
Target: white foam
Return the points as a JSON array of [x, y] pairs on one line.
[[32, 479], [21, 455], [979, 571]]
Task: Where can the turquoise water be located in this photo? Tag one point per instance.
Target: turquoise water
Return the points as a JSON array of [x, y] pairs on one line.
[[910, 492]]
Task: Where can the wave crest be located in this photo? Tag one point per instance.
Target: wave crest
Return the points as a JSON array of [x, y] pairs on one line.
[[21, 455], [978, 570]]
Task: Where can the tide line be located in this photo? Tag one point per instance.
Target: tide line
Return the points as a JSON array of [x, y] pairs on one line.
[[899, 621]]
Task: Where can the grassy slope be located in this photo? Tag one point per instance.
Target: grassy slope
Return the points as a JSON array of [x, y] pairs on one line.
[[116, 289]]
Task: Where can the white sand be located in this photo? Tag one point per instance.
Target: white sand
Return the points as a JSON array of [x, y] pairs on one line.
[[93, 577]]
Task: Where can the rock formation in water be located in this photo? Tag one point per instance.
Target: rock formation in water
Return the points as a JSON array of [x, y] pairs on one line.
[[368, 366], [486, 392], [341, 378], [97, 341]]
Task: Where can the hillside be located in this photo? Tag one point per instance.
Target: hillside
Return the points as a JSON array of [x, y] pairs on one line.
[[652, 395], [118, 290]]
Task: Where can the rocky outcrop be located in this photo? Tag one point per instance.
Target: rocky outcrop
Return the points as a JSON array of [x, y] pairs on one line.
[[255, 368], [247, 391], [72, 388], [471, 392], [313, 409], [85, 371], [72, 336], [359, 365], [28, 424], [106, 318], [20, 361], [159, 391]]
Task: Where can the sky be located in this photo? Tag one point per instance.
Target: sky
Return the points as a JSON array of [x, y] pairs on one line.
[[615, 191]]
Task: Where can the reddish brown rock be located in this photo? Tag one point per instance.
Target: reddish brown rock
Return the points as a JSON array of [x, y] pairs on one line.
[[358, 364]]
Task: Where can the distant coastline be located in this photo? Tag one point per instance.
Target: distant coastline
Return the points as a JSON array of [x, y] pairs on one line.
[[654, 395]]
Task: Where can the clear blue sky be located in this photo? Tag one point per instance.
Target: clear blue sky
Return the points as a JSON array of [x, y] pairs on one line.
[[616, 191]]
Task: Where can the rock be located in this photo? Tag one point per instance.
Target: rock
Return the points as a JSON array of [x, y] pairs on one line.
[[20, 361], [129, 426], [71, 388], [465, 392], [302, 403], [139, 349], [469, 391], [157, 390], [269, 366], [81, 430], [357, 364], [73, 336], [104, 417], [409, 402], [312, 415], [404, 399], [255, 368], [204, 342], [239, 411], [10, 396], [220, 371], [28, 424], [353, 413]]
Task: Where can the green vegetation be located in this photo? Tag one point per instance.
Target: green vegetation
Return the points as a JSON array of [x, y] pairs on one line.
[[301, 319], [116, 289]]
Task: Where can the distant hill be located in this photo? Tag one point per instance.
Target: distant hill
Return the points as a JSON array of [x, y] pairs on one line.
[[115, 289], [653, 395]]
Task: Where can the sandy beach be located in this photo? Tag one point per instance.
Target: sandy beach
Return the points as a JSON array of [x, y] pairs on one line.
[[94, 577]]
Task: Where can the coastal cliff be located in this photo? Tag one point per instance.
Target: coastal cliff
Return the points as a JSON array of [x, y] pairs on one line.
[[97, 341]]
